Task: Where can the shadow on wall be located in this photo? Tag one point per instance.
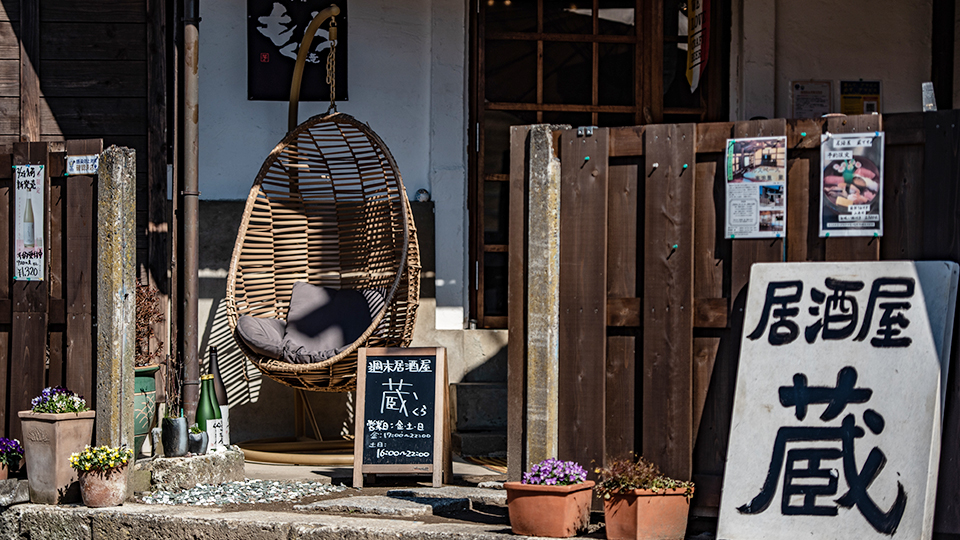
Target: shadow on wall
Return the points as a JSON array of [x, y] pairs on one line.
[[259, 406]]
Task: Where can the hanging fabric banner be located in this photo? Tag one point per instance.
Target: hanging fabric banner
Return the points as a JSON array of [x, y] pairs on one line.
[[698, 40]]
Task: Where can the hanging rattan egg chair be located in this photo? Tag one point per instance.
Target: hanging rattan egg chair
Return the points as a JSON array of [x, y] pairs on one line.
[[328, 207]]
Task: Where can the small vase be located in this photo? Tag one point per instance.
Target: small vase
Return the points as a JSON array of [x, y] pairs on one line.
[[554, 511], [643, 514], [174, 436], [104, 488], [48, 441], [198, 442]]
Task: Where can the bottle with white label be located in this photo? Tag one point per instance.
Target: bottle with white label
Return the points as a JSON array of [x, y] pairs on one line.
[[29, 236]]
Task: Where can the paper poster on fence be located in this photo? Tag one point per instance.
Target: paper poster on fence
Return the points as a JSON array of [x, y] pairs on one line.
[[851, 184], [28, 260], [756, 187]]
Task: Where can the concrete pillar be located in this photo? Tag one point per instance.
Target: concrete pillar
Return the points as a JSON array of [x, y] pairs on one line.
[[543, 298], [116, 295]]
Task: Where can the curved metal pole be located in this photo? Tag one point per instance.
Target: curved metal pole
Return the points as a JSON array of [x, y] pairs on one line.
[[331, 11]]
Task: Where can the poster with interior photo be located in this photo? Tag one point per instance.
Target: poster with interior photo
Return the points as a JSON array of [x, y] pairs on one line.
[[28, 252], [756, 203], [851, 184]]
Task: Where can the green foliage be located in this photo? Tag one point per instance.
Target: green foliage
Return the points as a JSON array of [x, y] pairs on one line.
[[624, 475], [195, 429]]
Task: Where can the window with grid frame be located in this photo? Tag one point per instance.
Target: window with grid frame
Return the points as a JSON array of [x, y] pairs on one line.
[[599, 63]]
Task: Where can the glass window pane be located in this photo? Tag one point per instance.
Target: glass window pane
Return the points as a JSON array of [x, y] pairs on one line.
[[496, 138], [574, 119], [567, 73], [511, 71], [496, 212], [616, 119], [617, 17], [616, 72], [510, 15], [495, 284], [568, 16]]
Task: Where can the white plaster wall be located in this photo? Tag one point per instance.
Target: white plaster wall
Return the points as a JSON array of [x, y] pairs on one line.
[[786, 40], [407, 79]]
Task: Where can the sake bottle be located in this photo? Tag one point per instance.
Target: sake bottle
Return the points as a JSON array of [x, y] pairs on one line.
[[221, 392], [29, 234], [208, 412]]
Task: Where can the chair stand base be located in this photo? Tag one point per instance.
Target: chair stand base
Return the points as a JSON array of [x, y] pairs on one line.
[[293, 451]]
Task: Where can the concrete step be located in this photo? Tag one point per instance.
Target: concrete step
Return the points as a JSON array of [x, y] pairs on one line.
[[481, 406]]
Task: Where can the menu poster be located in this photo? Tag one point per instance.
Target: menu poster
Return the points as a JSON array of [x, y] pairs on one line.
[[756, 187], [851, 184], [28, 256]]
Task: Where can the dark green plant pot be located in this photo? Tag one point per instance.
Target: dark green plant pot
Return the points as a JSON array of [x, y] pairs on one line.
[[197, 442], [144, 404]]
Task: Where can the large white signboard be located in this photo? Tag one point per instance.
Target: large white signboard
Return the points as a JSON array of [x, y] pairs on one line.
[[836, 422]]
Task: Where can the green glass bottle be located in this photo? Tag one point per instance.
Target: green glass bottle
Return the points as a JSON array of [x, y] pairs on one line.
[[208, 411]]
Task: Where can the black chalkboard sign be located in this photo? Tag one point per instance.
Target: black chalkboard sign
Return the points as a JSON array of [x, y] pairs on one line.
[[401, 422]]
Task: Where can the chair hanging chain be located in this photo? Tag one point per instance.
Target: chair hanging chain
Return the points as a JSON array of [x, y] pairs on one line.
[[332, 66]]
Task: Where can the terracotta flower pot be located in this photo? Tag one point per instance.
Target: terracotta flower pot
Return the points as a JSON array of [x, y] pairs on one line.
[[555, 511], [104, 488], [641, 513], [48, 441]]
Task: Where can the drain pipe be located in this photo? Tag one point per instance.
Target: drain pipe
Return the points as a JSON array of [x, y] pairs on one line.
[[191, 196]]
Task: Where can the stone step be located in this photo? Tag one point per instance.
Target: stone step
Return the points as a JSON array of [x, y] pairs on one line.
[[481, 406], [391, 505], [474, 495], [480, 443]]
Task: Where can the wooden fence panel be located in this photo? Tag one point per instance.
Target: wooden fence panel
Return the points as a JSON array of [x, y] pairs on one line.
[[6, 308]]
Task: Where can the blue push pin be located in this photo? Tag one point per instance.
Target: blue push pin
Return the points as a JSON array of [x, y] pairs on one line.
[[586, 158], [803, 133]]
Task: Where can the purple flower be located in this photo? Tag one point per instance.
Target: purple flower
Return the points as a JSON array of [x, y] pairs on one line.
[[10, 451], [553, 472]]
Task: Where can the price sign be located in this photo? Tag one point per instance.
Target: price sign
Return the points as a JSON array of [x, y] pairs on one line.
[[401, 422], [28, 257]]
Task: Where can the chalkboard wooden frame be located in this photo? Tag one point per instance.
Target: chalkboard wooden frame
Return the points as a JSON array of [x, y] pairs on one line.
[[441, 466]]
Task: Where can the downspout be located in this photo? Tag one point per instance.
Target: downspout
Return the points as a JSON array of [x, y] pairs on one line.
[[191, 196]]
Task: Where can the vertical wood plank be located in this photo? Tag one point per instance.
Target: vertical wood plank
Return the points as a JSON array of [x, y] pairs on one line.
[[798, 201], [668, 299], [78, 280], [620, 385], [56, 241], [29, 327], [708, 263], [516, 305], [6, 304], [29, 67], [853, 248], [903, 188], [941, 240], [157, 239], [583, 288], [704, 357]]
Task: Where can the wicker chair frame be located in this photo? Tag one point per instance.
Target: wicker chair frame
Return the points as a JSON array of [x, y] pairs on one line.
[[328, 207]]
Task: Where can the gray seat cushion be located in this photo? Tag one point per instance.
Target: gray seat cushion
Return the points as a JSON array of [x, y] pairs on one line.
[[321, 323], [263, 336]]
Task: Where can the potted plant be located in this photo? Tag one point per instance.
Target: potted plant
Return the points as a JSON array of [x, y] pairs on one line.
[[103, 474], [58, 424], [10, 455], [639, 502], [553, 499], [148, 354], [174, 436], [197, 440]]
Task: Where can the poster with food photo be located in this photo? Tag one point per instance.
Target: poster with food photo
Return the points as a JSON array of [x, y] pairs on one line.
[[851, 184], [756, 172]]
